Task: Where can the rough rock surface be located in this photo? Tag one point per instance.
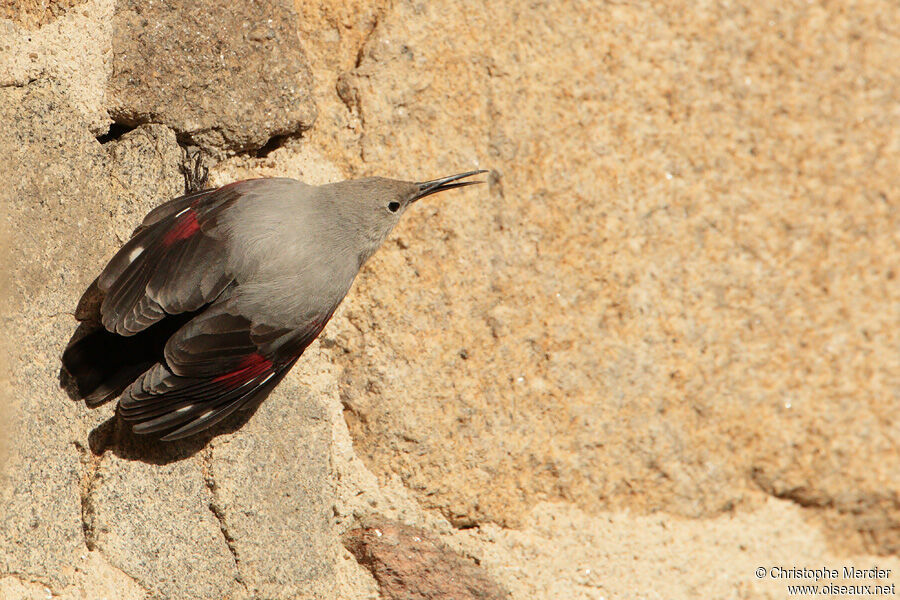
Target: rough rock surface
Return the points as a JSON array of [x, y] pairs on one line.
[[271, 491], [409, 563], [566, 553], [33, 13], [226, 77], [681, 287], [136, 513], [52, 172], [657, 352], [85, 506], [73, 49]]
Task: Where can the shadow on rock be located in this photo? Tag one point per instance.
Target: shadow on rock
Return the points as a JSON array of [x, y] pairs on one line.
[[98, 366], [115, 435]]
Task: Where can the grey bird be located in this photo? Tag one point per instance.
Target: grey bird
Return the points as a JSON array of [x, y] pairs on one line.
[[218, 293]]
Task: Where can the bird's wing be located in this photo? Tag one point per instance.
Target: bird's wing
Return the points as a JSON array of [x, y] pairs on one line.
[[216, 364], [175, 262]]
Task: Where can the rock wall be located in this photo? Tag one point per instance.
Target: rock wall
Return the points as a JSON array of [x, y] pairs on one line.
[[662, 341]]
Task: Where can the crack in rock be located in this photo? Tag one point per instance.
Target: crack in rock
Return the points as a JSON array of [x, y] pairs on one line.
[[89, 476], [27, 578], [215, 507]]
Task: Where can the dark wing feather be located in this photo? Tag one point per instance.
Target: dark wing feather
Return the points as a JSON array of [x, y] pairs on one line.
[[174, 266], [216, 364], [175, 262], [172, 207]]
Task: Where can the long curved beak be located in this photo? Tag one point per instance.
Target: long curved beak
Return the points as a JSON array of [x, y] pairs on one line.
[[426, 188]]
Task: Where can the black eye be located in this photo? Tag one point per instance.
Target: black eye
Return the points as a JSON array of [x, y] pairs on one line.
[[394, 206]]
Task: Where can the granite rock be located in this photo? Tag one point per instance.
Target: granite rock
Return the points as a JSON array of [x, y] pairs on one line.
[[227, 78], [410, 563], [80, 493], [271, 491], [679, 288], [53, 178], [657, 348]]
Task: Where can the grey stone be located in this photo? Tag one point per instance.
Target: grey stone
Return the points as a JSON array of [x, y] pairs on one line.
[[271, 489], [225, 77], [144, 171], [153, 521], [52, 181], [72, 201]]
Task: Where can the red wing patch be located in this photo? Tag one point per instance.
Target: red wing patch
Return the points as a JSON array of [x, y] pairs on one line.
[[249, 368], [186, 226]]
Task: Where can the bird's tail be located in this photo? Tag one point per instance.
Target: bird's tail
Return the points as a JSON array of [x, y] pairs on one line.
[[99, 365]]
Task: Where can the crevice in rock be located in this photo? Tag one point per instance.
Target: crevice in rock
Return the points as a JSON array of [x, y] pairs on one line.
[[27, 578], [347, 89], [19, 83], [799, 495], [115, 132], [376, 19], [215, 507], [275, 142], [90, 475], [841, 520]]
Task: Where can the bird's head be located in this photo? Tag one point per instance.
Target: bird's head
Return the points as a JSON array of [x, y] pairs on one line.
[[374, 205], [390, 197]]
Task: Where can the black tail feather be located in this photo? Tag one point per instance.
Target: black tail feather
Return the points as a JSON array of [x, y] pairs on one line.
[[99, 365]]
